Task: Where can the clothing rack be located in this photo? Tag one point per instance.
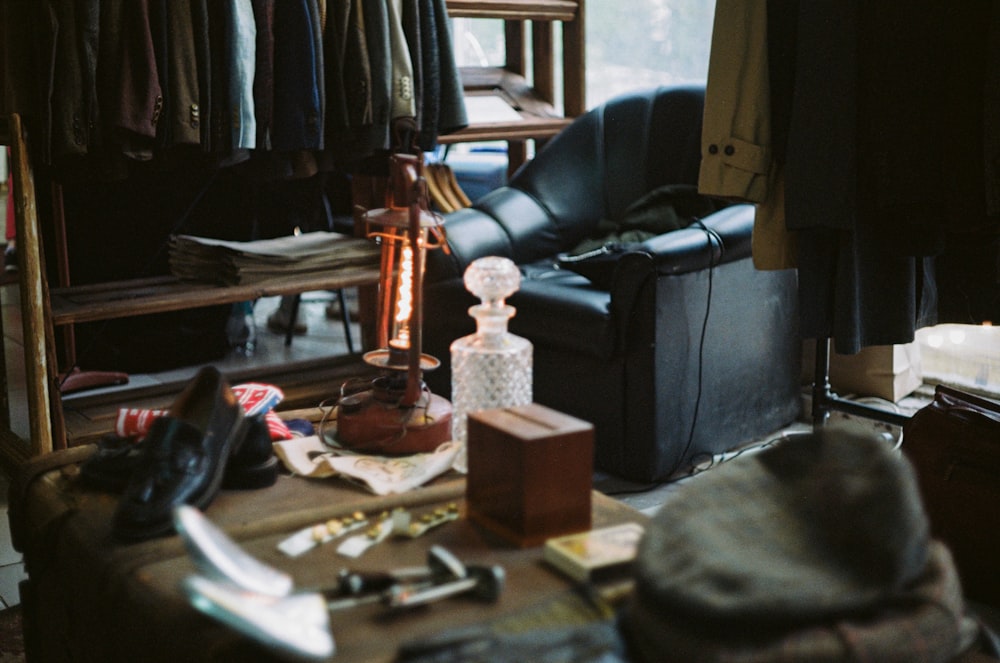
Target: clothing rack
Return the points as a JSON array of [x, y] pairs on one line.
[[824, 400]]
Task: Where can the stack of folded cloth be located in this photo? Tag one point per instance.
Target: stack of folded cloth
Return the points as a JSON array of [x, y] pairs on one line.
[[815, 549], [240, 263]]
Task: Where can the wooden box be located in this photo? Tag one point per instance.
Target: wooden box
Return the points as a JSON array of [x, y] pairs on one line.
[[530, 473]]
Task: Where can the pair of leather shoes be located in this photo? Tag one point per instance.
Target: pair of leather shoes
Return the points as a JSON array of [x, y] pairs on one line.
[[115, 459], [203, 440]]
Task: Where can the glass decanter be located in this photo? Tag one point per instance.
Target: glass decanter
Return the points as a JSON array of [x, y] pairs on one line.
[[491, 368]]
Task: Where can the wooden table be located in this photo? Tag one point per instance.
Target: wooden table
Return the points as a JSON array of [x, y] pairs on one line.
[[89, 598]]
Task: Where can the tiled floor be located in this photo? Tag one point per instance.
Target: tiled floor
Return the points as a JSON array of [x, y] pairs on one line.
[[11, 567]]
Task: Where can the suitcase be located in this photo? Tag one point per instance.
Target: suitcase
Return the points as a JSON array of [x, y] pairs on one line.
[[954, 445]]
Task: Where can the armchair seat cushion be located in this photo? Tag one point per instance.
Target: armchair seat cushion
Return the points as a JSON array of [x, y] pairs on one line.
[[577, 318], [576, 313]]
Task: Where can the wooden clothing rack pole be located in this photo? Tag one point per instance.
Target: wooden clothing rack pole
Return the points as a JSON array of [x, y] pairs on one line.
[[824, 400], [45, 417]]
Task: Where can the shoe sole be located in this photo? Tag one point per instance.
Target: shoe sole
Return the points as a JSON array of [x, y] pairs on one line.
[[251, 477]]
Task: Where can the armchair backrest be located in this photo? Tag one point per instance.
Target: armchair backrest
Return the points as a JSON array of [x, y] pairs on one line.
[[614, 154], [604, 161]]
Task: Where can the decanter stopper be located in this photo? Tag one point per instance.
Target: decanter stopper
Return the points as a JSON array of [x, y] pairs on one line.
[[493, 280]]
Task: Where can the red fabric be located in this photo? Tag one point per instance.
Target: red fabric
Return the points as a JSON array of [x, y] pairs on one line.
[[277, 427], [254, 397]]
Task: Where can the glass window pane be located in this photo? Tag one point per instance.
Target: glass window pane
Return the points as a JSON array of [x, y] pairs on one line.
[[645, 43]]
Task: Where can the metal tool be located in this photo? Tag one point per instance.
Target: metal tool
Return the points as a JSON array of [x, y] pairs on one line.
[[298, 624], [259, 601], [220, 558], [442, 566], [482, 582]]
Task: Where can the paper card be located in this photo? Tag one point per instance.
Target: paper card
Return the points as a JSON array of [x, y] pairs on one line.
[[383, 475]]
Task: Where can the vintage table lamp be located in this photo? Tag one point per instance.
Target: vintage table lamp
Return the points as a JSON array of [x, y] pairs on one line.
[[396, 413]]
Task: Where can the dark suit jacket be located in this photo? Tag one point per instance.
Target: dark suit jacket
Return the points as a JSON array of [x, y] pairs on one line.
[[376, 19], [443, 102], [349, 83], [452, 100], [203, 58], [297, 104], [136, 111], [69, 69], [183, 92], [263, 82]]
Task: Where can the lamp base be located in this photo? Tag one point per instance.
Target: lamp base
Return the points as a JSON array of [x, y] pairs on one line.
[[370, 424]]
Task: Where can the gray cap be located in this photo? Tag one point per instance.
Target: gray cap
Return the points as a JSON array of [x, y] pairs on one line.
[[815, 531]]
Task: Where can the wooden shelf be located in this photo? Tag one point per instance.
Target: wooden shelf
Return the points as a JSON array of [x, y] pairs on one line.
[[538, 118], [43, 308], [524, 10], [124, 299], [505, 131], [533, 103], [305, 385]]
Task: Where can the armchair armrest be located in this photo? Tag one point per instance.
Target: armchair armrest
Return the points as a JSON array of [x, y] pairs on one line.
[[679, 252], [690, 249]]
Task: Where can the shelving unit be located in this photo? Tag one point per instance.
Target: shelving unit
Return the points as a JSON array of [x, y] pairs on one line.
[[44, 310], [534, 101], [122, 299]]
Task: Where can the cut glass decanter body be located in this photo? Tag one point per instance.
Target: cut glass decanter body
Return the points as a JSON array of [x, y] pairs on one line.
[[491, 368]]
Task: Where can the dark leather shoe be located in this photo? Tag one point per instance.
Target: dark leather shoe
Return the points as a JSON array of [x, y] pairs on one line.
[[184, 457], [112, 464], [253, 464]]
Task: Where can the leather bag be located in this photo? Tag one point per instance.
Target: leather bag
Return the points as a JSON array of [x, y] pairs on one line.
[[954, 445]]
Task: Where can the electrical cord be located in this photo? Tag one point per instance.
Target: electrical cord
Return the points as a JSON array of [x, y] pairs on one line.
[[712, 460], [714, 239]]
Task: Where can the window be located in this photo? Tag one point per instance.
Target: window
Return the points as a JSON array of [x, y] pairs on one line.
[[646, 43], [653, 42], [964, 356], [649, 43]]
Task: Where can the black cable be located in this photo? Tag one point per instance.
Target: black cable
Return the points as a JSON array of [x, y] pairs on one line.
[[713, 240], [712, 460]]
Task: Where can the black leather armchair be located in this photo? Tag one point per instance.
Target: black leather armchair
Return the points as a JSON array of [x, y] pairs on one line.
[[689, 350]]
